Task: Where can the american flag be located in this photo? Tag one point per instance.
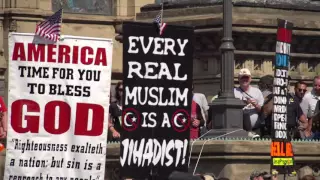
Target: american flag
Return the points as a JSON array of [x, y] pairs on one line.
[[50, 28], [158, 20]]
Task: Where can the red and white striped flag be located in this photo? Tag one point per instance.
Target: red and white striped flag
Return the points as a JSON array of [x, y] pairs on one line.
[[158, 21], [50, 28]]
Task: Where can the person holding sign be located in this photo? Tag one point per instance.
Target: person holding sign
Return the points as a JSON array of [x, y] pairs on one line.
[[197, 118], [253, 99], [115, 111], [3, 116], [295, 116]]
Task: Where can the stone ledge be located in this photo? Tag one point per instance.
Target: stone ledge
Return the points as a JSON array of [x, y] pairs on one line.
[[305, 5], [228, 149], [242, 16], [37, 15], [256, 30]]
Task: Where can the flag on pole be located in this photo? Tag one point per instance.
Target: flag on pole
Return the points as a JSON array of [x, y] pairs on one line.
[[50, 28], [158, 21]]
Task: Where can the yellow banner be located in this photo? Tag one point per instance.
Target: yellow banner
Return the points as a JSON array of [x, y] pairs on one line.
[[282, 161]]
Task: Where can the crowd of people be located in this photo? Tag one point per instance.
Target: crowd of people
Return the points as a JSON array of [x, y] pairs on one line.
[[303, 108], [263, 175]]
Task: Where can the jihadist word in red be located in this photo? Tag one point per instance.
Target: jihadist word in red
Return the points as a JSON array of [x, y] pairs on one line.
[[52, 53], [64, 118]]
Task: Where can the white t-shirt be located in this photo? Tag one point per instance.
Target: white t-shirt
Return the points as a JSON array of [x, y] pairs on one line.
[[309, 102], [201, 100], [256, 94]]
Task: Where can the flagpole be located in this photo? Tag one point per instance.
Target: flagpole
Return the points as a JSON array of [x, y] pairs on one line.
[[161, 12], [61, 6]]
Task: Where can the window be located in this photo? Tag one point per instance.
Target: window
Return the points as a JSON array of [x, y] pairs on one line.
[[158, 1], [103, 7]]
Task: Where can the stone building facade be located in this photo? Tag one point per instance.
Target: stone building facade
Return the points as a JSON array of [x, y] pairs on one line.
[[254, 34], [95, 18]]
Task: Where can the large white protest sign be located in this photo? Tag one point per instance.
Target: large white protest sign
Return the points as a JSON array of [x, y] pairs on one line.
[[58, 108]]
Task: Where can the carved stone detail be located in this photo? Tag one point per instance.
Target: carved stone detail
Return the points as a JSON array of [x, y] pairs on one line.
[[1, 52], [294, 66], [256, 52], [238, 64], [13, 26], [312, 65], [257, 65], [258, 42]]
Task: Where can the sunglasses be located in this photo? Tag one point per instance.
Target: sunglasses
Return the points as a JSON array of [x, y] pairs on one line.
[[120, 89], [302, 90]]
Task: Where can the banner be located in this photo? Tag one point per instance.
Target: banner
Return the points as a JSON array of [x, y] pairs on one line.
[[58, 108], [282, 158], [157, 100]]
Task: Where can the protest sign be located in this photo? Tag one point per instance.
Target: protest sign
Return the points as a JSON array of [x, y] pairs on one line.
[[157, 83], [281, 148], [58, 107]]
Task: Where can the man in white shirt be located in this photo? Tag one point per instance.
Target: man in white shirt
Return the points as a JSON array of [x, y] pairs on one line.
[[311, 98], [251, 96], [309, 101]]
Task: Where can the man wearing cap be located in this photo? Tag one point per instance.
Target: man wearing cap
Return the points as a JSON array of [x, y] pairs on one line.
[[262, 175], [252, 97], [256, 175]]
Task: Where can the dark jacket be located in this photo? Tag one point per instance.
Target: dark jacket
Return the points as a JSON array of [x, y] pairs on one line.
[[115, 113], [294, 111]]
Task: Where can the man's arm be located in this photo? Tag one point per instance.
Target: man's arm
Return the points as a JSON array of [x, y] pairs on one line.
[[304, 123], [259, 102], [5, 121], [305, 105], [300, 115], [4, 118]]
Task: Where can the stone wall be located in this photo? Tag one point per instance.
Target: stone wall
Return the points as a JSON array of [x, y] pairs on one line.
[[23, 15]]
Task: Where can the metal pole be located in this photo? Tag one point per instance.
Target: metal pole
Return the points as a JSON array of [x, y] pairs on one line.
[[226, 110], [227, 50]]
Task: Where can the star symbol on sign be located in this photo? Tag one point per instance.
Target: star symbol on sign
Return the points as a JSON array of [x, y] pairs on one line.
[[134, 119], [184, 120]]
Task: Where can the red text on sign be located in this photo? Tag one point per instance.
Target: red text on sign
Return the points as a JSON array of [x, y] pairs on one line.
[[52, 53], [63, 117]]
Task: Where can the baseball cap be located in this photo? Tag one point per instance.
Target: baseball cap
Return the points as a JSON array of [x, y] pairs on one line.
[[255, 174], [244, 72], [208, 177]]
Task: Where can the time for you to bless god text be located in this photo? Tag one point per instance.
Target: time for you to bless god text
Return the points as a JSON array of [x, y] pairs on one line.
[[59, 54]]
